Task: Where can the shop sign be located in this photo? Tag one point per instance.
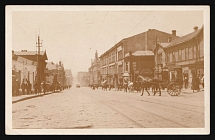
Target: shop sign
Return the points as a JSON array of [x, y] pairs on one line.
[[146, 71]]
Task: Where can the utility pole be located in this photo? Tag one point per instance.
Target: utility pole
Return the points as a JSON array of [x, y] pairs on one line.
[[38, 45]]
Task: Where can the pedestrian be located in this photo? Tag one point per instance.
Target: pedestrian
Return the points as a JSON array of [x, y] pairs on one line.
[[16, 87], [36, 87], [185, 82], [195, 83], [202, 81], [29, 86], [44, 87], [23, 86]]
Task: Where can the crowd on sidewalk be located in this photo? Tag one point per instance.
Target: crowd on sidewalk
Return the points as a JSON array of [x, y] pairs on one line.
[[25, 88]]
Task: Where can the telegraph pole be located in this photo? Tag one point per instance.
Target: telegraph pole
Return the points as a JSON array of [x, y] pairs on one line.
[[38, 45]]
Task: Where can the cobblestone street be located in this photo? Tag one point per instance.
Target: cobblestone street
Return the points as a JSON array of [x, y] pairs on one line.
[[86, 108]]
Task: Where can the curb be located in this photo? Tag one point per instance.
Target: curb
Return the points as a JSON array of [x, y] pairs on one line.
[[26, 98]]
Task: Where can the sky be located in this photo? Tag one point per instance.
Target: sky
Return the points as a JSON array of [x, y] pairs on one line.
[[73, 36]]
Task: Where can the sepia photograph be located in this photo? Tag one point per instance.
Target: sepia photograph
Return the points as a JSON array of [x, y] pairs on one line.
[[107, 69]]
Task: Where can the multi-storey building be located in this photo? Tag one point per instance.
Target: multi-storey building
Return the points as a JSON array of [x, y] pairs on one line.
[[83, 78], [69, 78], [94, 71], [132, 56], [186, 54]]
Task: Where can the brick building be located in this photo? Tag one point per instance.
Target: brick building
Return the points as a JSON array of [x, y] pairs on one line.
[[132, 56]]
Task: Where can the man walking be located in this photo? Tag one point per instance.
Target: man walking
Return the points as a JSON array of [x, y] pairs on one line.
[[36, 87], [16, 87], [185, 82]]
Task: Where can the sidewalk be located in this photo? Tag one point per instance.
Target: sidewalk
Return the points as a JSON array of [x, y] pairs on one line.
[[19, 98]]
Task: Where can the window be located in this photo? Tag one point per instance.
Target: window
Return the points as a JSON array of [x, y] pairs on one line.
[[126, 66], [120, 55], [194, 51], [183, 54], [186, 53], [173, 56], [179, 55], [170, 57], [190, 52], [167, 57], [201, 45], [176, 56]]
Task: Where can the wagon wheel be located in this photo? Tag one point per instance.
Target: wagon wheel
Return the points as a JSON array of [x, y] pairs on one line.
[[173, 90]]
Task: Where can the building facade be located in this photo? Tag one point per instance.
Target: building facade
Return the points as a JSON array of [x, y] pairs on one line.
[[23, 69], [83, 78], [35, 57], [187, 55], [132, 56], [94, 71]]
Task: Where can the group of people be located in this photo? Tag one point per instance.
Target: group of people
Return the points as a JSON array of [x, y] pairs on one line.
[[26, 87], [154, 84], [196, 81]]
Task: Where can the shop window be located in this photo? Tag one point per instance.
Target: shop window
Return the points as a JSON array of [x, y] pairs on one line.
[[194, 51], [173, 56], [183, 54], [190, 52], [186, 53], [176, 56], [170, 57], [179, 55]]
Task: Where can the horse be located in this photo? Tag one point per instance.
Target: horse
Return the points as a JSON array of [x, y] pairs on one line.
[[148, 83], [137, 86]]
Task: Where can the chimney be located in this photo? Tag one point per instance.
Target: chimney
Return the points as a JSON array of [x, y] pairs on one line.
[[174, 32], [169, 39], [195, 28]]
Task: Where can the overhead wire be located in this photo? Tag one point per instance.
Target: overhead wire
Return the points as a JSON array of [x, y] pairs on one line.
[[99, 28], [138, 24]]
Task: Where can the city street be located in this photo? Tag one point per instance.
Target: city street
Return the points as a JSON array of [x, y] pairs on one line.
[[78, 108]]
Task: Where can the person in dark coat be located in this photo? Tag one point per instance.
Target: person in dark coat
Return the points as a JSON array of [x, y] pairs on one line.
[[29, 87], [185, 82], [16, 87], [195, 83], [36, 87], [23, 86]]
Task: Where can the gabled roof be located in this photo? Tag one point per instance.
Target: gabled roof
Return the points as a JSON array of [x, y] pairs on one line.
[[31, 53], [28, 52], [184, 38]]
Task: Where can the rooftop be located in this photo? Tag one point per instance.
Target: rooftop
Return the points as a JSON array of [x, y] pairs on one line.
[[184, 38]]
